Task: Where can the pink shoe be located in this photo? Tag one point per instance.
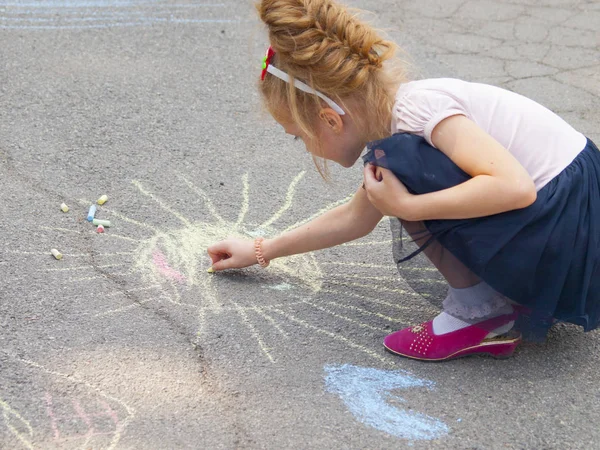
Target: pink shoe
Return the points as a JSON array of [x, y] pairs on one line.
[[419, 342]]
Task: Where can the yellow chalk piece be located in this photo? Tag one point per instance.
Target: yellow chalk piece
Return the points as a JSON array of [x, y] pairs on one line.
[[211, 270], [56, 253], [102, 200], [64, 207]]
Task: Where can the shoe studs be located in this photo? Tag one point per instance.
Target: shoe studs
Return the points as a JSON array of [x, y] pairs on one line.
[[421, 342], [417, 329]]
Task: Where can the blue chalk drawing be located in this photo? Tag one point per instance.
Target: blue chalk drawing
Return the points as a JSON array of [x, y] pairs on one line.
[[366, 392], [85, 14]]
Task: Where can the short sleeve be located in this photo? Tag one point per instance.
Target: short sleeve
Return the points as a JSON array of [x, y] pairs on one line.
[[419, 110]]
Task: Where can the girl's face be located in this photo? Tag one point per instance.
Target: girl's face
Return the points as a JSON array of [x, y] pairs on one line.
[[337, 138]]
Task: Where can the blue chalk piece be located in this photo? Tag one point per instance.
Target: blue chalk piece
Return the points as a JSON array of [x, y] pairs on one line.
[[367, 393], [91, 213]]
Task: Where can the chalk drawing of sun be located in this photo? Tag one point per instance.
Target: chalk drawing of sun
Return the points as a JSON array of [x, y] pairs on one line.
[[180, 256], [169, 267]]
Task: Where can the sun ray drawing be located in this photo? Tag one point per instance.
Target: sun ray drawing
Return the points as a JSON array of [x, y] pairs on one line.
[[163, 265]]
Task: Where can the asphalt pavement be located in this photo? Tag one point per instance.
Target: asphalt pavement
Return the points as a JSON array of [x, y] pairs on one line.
[[127, 343]]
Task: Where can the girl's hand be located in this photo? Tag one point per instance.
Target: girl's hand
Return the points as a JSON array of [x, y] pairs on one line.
[[387, 193], [232, 254]]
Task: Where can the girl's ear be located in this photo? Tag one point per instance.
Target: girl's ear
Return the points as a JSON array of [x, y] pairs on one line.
[[332, 120]]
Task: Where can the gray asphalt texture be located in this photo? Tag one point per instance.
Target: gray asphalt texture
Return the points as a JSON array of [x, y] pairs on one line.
[[127, 343]]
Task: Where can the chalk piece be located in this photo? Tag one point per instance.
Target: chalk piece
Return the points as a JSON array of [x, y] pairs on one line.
[[211, 270], [100, 229], [56, 253], [91, 213], [102, 200], [104, 223], [64, 207]]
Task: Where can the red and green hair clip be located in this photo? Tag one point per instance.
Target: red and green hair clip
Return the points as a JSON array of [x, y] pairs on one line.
[[266, 62]]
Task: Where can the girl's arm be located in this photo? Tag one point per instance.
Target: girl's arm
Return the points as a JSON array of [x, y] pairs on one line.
[[344, 223], [499, 184]]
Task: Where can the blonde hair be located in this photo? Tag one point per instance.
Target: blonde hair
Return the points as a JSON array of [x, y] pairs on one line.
[[323, 44]]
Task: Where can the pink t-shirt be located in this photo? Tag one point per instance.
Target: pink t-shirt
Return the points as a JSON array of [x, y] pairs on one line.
[[539, 139]]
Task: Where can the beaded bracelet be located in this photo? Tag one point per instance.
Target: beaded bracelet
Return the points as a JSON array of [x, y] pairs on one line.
[[258, 252]]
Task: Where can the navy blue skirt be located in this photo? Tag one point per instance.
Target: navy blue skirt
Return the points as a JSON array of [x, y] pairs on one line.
[[545, 257]]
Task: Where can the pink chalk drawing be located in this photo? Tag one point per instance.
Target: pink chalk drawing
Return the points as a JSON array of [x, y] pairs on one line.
[[50, 413], [83, 415], [160, 261], [94, 422]]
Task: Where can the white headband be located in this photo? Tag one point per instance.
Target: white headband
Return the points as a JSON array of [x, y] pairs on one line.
[[299, 84]]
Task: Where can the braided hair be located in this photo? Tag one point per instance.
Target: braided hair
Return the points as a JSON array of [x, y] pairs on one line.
[[326, 45]]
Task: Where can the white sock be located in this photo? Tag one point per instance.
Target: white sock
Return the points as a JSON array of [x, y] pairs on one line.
[[465, 307], [445, 323]]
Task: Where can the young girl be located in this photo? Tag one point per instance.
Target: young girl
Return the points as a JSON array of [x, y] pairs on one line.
[[500, 194]]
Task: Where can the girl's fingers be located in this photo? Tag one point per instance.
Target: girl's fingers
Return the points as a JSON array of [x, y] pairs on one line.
[[368, 174], [219, 257], [385, 173], [223, 264], [214, 256], [218, 252], [214, 249], [372, 174]]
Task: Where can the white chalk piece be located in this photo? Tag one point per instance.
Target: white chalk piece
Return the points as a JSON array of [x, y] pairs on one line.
[[104, 223], [91, 213], [56, 253], [102, 200], [100, 229], [64, 207]]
